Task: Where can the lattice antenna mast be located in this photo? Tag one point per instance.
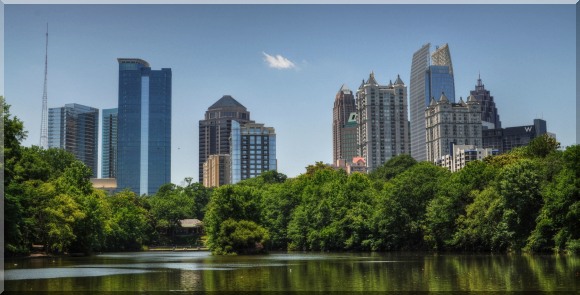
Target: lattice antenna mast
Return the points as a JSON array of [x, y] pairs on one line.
[[44, 122]]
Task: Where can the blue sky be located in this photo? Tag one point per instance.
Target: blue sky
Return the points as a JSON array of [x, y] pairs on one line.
[[526, 55]]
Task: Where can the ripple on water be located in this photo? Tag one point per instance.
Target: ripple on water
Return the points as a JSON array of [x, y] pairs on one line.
[[63, 272]]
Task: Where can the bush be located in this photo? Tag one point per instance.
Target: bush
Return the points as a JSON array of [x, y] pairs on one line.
[[240, 237], [573, 246]]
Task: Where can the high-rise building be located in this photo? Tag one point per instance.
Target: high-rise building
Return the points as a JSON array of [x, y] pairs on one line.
[[109, 143], [215, 129], [450, 123], [429, 78], [252, 150], [489, 114], [344, 107], [505, 139], [349, 141], [75, 128], [143, 126], [216, 171], [382, 121]]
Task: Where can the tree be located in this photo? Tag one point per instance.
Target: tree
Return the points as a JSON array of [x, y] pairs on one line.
[[399, 217], [13, 134], [542, 146], [393, 167], [240, 237], [235, 202], [558, 223], [519, 185], [128, 224], [278, 202], [170, 205], [482, 227], [61, 214], [455, 194]]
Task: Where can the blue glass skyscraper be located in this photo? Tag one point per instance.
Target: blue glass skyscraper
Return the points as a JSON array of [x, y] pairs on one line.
[[144, 127], [438, 80], [430, 77], [252, 150], [75, 128]]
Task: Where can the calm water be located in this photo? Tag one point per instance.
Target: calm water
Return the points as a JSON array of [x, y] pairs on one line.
[[193, 271]]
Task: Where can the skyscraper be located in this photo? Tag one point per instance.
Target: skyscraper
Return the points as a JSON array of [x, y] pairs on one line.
[[344, 106], [428, 80], [252, 150], [489, 114], [144, 127], [109, 144], [215, 129], [382, 121], [451, 123], [75, 128]]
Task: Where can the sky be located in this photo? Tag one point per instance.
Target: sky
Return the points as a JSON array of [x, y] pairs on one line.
[[286, 63]]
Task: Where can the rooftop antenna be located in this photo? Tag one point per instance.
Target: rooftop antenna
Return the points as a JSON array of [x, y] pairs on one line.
[[44, 119]]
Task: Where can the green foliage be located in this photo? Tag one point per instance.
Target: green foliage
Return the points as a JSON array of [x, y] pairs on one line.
[[237, 202], [482, 228], [393, 167], [278, 202], [526, 199], [455, 194], [558, 225], [519, 185], [240, 237], [401, 210], [128, 228], [542, 146], [14, 133]]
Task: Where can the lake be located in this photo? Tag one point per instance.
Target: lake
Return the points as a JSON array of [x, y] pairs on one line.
[[200, 271]]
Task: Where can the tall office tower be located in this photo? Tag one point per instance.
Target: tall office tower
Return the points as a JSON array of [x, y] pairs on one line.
[[450, 123], [349, 142], [216, 171], [215, 129], [489, 114], [382, 121], [252, 150], [109, 144], [428, 80], [143, 126], [344, 105], [75, 128]]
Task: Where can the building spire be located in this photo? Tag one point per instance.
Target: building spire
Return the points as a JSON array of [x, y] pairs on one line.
[[44, 119]]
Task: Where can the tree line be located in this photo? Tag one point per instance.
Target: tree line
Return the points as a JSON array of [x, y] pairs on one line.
[[49, 200], [525, 200]]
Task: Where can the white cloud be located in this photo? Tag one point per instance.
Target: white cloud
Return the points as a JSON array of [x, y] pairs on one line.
[[278, 62]]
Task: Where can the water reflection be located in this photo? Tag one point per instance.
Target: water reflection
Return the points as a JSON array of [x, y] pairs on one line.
[[295, 272]]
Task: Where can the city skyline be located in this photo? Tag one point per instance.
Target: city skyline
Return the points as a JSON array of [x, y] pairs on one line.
[[282, 62]]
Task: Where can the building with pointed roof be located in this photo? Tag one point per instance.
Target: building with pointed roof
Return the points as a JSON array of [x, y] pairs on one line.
[[215, 129], [489, 113], [430, 75], [344, 125], [382, 121], [449, 123]]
